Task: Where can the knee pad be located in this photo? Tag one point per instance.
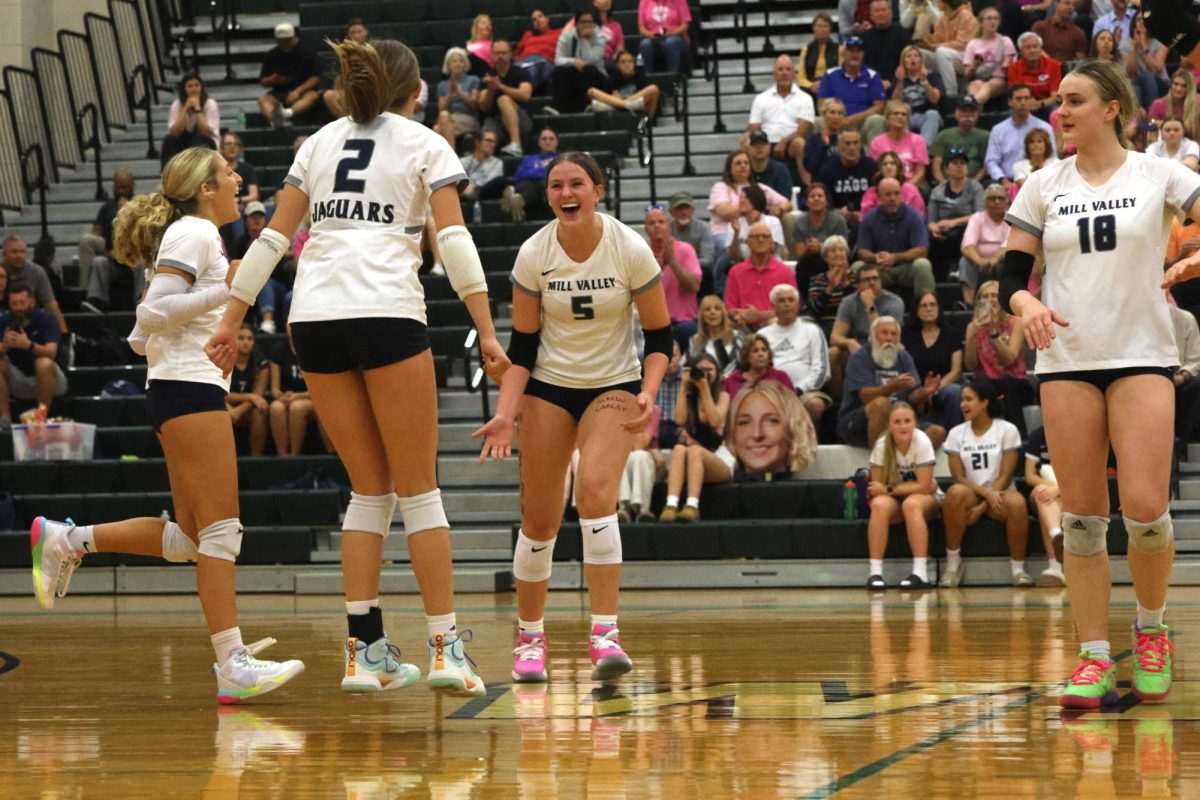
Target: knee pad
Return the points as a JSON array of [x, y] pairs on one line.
[[1084, 536], [601, 540], [423, 512], [532, 559], [176, 546], [370, 513], [222, 540], [1150, 537]]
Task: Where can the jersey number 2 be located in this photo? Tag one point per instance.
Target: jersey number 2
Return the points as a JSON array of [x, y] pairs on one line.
[[1103, 233], [342, 182]]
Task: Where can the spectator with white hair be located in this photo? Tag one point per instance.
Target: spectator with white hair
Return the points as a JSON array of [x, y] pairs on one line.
[[800, 350], [810, 230], [984, 242], [827, 290], [458, 98], [1036, 70], [875, 376]]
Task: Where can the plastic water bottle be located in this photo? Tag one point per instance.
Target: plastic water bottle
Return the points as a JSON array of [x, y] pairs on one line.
[[477, 213], [850, 500], [241, 120]]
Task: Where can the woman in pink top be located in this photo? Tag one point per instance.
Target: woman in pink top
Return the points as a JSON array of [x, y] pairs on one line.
[[480, 44], [756, 363], [995, 348], [890, 166], [725, 201], [1180, 101], [194, 119], [984, 242], [898, 139], [663, 25], [986, 59]]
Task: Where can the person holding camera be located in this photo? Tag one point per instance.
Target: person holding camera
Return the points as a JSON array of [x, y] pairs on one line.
[[699, 457], [193, 121], [995, 349], [28, 370]]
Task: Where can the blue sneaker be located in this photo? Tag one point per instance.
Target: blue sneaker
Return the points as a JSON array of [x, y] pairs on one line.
[[376, 667], [450, 668]]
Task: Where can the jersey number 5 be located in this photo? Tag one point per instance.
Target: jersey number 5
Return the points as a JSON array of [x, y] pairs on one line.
[[1103, 234], [342, 182], [581, 306]]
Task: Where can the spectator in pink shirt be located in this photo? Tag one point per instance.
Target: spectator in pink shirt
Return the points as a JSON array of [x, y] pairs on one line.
[[725, 199], [680, 273], [898, 139], [606, 23], [890, 166], [748, 290], [756, 363], [984, 242], [663, 25], [479, 46]]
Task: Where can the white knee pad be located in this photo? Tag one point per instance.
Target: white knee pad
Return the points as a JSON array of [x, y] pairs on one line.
[[1150, 537], [370, 513], [1084, 536], [423, 512], [176, 546], [222, 540], [601, 540], [532, 559]]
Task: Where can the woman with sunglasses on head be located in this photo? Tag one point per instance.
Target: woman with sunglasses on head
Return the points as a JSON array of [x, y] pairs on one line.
[[575, 382], [1106, 353]]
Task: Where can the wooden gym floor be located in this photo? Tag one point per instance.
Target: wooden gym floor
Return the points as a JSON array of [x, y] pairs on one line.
[[735, 694]]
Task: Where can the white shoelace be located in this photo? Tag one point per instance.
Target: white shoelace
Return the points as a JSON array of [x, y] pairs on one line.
[[608, 641], [66, 568], [531, 651]]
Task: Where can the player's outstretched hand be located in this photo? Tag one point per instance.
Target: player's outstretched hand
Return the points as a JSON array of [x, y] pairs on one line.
[[646, 408], [221, 349], [1039, 323], [497, 437], [1184, 270], [495, 360]]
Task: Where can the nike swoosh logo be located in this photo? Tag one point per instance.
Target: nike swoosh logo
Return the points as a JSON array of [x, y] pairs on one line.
[[547, 272], [597, 530], [537, 549], [1055, 200], [87, 548]]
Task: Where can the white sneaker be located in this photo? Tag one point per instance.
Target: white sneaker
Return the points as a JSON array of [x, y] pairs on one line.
[[1021, 580], [1051, 579], [243, 676], [450, 666], [513, 149], [599, 107], [267, 326], [951, 578], [376, 667], [54, 560], [636, 104]]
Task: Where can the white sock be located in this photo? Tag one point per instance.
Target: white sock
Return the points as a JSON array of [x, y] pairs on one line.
[[672, 501], [876, 566], [920, 567], [953, 559], [536, 627], [82, 538], [444, 623], [607, 620], [1017, 566], [360, 608], [1146, 618], [1099, 649], [225, 643], [1053, 565], [693, 502]]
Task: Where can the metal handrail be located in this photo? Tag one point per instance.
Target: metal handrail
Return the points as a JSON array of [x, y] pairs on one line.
[[747, 87], [35, 149], [227, 26], [688, 168], [147, 103], [93, 143]]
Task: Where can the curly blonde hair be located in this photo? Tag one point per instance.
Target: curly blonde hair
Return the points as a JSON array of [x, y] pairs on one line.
[[141, 223], [801, 433]]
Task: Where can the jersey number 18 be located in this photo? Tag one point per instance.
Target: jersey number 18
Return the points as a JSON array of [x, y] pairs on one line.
[[1103, 234]]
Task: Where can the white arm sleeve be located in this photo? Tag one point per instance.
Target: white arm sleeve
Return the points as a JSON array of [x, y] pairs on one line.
[[461, 260], [168, 303], [137, 340], [258, 265]]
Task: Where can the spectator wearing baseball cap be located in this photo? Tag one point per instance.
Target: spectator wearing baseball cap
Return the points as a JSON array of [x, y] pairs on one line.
[[291, 73], [686, 228], [859, 87], [966, 137], [785, 112], [763, 168], [951, 204]]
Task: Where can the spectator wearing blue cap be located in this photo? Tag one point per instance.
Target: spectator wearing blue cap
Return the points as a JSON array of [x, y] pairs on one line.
[[860, 89]]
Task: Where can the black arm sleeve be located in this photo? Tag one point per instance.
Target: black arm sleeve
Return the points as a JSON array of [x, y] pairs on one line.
[[1173, 24], [1014, 276], [523, 348], [659, 341]]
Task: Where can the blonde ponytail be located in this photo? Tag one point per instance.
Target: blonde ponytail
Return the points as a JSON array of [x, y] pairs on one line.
[[141, 223]]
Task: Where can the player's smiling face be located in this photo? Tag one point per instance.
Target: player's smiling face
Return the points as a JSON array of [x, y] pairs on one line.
[[571, 193], [901, 423], [1082, 115], [972, 406], [226, 183]]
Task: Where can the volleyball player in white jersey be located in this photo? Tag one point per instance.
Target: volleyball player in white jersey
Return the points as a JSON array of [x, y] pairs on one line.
[[358, 323], [185, 401], [575, 381], [1105, 357]]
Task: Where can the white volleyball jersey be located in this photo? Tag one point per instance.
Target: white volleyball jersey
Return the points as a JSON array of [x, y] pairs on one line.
[[1104, 248], [920, 454], [368, 186], [587, 308], [982, 455], [191, 245]]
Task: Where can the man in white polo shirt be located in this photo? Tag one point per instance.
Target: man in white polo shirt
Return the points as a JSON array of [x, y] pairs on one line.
[[785, 111]]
